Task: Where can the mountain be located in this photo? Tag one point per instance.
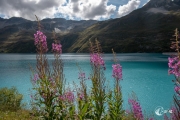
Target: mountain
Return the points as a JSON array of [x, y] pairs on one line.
[[17, 34], [147, 29], [166, 4], [11, 21]]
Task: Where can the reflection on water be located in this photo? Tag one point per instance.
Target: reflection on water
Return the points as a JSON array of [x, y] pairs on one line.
[[121, 57]]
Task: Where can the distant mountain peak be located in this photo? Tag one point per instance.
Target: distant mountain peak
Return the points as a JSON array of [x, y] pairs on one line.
[[166, 4]]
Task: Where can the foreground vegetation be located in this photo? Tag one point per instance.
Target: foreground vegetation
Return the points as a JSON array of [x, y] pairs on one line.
[[17, 115], [52, 100], [11, 106]]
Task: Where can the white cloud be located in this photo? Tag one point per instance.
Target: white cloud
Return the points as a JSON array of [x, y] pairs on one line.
[[72, 9], [87, 9], [129, 7]]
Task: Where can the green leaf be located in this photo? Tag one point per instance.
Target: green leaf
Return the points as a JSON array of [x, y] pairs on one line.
[[84, 110]]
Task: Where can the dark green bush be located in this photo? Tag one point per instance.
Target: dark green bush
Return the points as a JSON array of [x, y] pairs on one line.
[[10, 99]]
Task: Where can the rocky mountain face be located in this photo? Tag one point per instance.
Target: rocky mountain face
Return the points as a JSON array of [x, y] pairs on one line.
[[17, 34], [148, 29]]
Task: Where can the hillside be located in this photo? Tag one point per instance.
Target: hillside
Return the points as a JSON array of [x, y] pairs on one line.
[[148, 29], [17, 34]]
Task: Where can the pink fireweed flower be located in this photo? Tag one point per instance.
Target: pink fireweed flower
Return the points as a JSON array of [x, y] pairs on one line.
[[81, 75], [166, 117], [97, 60], [174, 113], [174, 66], [81, 96], [68, 96], [117, 71], [62, 98], [136, 109], [35, 78], [57, 48], [40, 41], [177, 90]]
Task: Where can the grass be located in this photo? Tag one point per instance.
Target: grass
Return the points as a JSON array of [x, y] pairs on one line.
[[24, 114], [21, 114]]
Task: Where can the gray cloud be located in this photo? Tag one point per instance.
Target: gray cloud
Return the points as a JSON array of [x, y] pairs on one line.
[[74, 1], [95, 10], [28, 8], [75, 5]]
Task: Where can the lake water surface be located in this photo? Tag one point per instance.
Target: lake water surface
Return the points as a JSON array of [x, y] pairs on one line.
[[145, 74]]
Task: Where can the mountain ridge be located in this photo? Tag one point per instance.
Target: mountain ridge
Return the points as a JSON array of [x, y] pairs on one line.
[[16, 33], [147, 29], [139, 31]]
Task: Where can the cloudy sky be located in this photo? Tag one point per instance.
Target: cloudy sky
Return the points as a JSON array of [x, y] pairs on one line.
[[69, 9]]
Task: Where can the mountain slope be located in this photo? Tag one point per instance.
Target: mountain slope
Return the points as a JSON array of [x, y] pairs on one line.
[[148, 29], [17, 34], [142, 30]]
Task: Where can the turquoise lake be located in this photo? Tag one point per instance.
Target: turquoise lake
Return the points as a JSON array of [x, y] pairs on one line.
[[143, 73]]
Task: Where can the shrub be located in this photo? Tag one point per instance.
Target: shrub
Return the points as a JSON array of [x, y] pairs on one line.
[[10, 99]]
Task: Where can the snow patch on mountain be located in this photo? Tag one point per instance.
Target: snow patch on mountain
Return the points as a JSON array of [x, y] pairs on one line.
[[157, 10]]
